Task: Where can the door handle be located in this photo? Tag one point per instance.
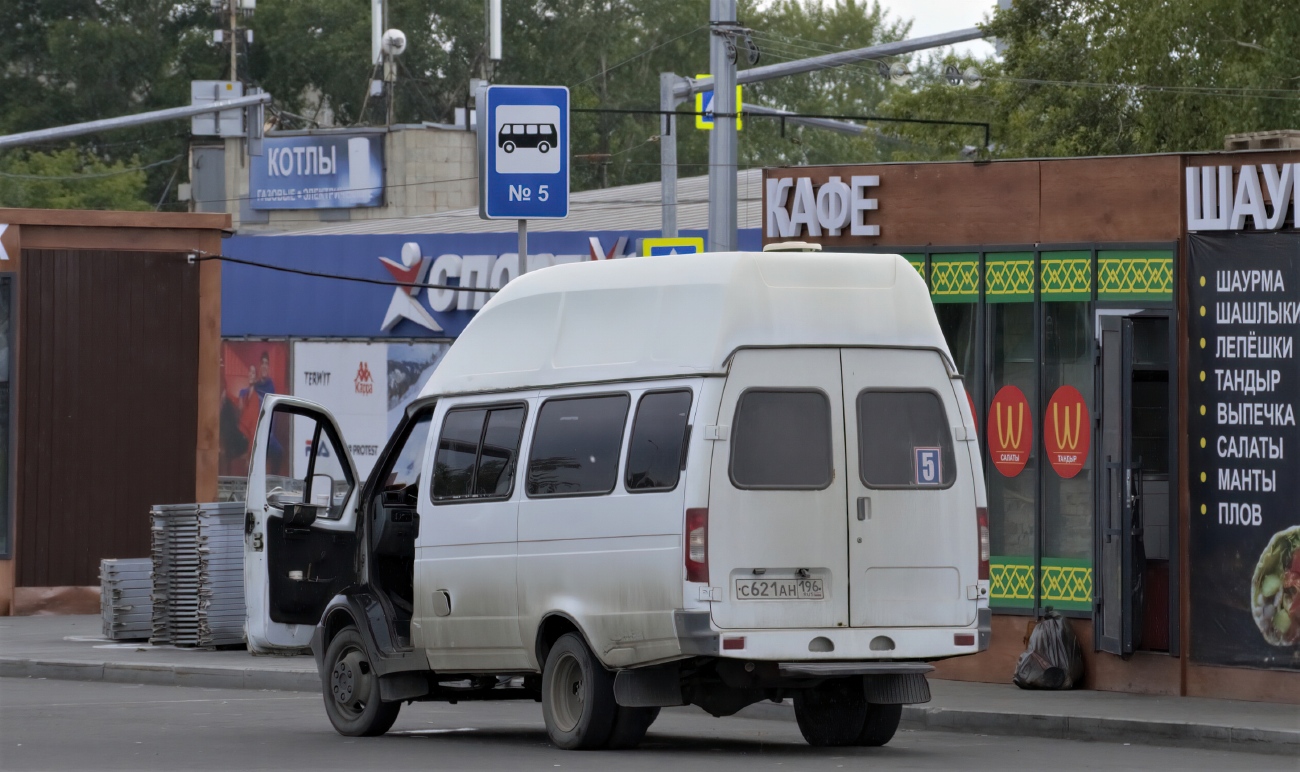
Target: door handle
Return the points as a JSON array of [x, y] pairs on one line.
[[864, 508]]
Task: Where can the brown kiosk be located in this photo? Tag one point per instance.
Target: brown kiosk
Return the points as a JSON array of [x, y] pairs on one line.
[[1126, 328], [111, 340]]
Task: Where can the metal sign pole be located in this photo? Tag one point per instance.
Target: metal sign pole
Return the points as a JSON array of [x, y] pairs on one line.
[[722, 140], [668, 154], [523, 247]]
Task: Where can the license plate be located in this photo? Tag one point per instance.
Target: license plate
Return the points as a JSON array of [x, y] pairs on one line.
[[779, 589]]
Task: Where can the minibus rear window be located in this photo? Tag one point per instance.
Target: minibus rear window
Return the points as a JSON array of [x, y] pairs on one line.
[[904, 440], [576, 446], [782, 440]]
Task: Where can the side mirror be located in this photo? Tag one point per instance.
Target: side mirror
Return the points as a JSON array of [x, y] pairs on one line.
[[322, 490]]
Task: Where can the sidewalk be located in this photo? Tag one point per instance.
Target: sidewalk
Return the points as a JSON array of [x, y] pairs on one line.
[[71, 647]]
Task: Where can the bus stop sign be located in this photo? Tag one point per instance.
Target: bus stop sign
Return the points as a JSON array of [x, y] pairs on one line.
[[523, 143]]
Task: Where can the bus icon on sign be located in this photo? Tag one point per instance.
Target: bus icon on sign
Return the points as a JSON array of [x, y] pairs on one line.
[[928, 466], [526, 138], [536, 135]]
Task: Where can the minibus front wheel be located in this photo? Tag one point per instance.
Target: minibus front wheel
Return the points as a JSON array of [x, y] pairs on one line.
[[351, 688]]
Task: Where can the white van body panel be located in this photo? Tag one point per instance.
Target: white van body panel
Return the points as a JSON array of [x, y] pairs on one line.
[[611, 563], [682, 315], [468, 550]]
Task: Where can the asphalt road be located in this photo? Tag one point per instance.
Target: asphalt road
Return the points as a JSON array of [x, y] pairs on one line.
[[72, 725]]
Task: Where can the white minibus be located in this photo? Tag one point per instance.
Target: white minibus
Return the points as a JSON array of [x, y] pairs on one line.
[[706, 480]]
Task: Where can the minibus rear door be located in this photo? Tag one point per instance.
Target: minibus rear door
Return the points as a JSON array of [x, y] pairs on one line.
[[775, 522], [913, 533]]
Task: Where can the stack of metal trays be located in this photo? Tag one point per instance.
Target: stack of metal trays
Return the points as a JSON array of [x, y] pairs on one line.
[[124, 598], [198, 574], [221, 574], [161, 519]]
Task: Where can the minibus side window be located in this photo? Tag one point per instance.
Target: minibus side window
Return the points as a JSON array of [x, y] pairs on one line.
[[658, 444], [453, 464], [477, 454], [781, 439], [576, 446], [496, 464], [904, 440]]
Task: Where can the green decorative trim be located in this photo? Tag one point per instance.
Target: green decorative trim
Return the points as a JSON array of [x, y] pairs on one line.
[[918, 262], [1011, 581], [1009, 277], [1067, 276], [955, 278], [1067, 584], [1139, 274]]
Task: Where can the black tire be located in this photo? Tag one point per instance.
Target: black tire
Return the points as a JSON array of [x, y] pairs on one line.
[[577, 696], [882, 722], [543, 147], [832, 713], [509, 147], [630, 727], [351, 689]]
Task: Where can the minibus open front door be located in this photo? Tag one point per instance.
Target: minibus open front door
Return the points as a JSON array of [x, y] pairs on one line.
[[300, 539]]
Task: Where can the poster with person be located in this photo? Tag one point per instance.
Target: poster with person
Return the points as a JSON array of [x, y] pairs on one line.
[[249, 371]]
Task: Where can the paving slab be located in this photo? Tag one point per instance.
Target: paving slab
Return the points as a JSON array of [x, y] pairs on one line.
[[72, 647]]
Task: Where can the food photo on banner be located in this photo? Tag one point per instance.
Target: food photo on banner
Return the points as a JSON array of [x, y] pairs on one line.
[[1243, 397], [249, 371]]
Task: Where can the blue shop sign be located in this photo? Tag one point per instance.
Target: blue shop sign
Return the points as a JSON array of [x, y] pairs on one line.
[[257, 302], [318, 172]]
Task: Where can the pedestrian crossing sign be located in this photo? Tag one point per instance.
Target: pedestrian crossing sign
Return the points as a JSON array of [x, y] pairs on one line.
[[704, 109], [672, 246]]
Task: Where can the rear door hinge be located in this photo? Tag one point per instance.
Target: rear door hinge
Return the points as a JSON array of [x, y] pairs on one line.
[[717, 433]]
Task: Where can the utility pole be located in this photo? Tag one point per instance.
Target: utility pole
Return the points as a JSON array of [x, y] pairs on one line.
[[722, 140], [234, 42], [668, 102], [674, 89]]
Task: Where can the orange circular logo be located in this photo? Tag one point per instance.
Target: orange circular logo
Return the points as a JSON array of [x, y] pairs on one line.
[[1011, 431], [1066, 431]]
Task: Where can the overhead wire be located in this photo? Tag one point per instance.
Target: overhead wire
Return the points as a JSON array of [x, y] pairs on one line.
[[92, 176], [646, 52]]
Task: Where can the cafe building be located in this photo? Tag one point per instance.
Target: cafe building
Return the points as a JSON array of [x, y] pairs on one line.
[[1126, 330]]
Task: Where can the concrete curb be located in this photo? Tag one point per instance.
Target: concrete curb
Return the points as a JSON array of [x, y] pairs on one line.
[[1058, 727], [206, 677]]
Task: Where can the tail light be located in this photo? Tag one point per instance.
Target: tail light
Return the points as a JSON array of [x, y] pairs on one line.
[[982, 517], [697, 545]]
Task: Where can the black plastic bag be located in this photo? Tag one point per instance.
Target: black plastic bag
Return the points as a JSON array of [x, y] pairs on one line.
[[1054, 659]]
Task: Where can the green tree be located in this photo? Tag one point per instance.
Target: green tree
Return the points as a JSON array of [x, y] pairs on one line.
[[65, 179], [1086, 77], [67, 61]]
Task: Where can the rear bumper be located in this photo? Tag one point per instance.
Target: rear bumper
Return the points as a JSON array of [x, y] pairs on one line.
[[699, 637]]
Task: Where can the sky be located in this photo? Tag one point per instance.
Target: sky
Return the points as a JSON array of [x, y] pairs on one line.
[[930, 17]]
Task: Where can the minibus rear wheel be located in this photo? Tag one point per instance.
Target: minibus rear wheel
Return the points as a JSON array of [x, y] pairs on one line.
[[577, 696], [882, 722], [832, 713], [351, 688]]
